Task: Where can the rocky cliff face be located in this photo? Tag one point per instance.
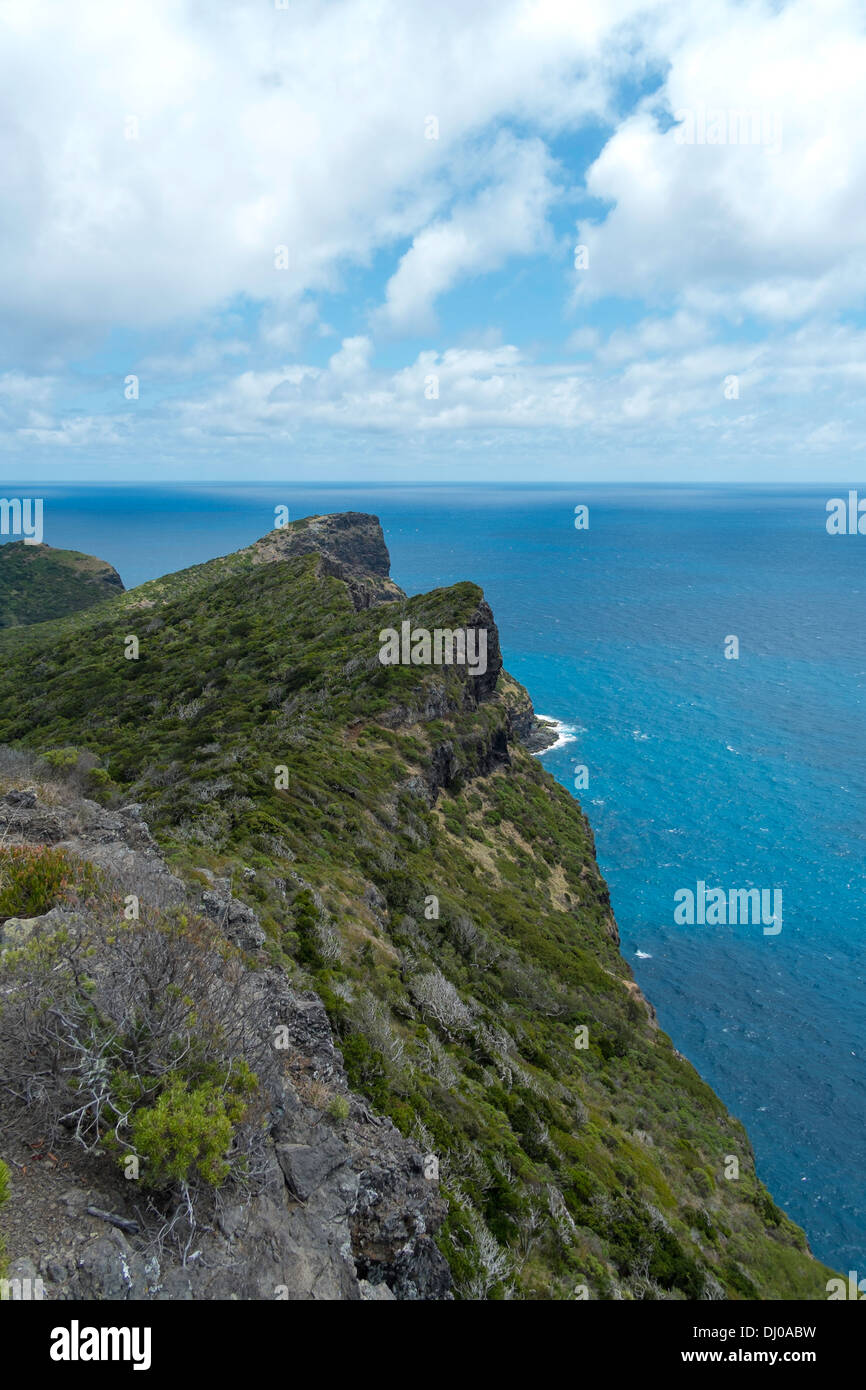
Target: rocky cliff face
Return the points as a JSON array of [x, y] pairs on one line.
[[352, 548], [342, 1206]]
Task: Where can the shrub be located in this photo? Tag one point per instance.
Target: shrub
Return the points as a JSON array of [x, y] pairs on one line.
[[306, 926], [365, 1068], [63, 759], [438, 999], [338, 1109], [186, 1135], [33, 880], [142, 1037]]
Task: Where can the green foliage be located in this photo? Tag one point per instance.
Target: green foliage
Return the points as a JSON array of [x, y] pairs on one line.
[[33, 880], [338, 1109], [63, 759], [157, 1054], [306, 916], [365, 1068], [38, 583], [246, 667], [187, 1133]]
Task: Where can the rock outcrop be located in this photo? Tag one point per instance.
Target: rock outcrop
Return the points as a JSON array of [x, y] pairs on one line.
[[117, 842], [340, 1207], [352, 547]]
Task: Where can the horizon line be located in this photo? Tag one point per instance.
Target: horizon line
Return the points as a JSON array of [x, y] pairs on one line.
[[429, 483]]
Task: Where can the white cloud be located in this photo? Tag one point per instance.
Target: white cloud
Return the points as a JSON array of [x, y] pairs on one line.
[[681, 384], [25, 389], [615, 415], [653, 336], [772, 228], [352, 359], [255, 128], [74, 432], [206, 355], [260, 128], [509, 217]]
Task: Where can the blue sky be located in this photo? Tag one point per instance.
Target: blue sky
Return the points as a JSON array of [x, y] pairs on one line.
[[340, 241]]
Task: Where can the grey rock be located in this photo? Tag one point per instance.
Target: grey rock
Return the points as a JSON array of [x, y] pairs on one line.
[[26, 797], [352, 548], [306, 1167], [331, 1215], [239, 922], [110, 1269], [23, 1269], [176, 1287], [16, 931], [376, 1293]]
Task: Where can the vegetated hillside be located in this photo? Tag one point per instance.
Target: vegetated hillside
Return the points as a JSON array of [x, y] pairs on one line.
[[411, 861], [38, 583]]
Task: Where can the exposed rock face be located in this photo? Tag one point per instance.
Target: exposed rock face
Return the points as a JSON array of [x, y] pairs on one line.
[[523, 723], [239, 922], [341, 1208], [17, 931], [119, 842], [481, 687], [479, 753], [352, 546], [540, 735]]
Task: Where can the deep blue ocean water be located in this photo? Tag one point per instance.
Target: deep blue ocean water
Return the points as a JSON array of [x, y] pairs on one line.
[[741, 773]]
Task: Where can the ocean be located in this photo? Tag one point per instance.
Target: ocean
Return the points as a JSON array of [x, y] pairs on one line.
[[735, 773]]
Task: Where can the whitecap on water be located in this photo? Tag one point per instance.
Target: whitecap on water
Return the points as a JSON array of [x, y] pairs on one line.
[[565, 733]]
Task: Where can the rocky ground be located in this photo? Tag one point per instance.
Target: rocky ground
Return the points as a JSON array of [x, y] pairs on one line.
[[345, 1207]]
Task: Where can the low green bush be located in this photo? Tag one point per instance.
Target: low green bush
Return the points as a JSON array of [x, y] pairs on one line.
[[187, 1133], [33, 880]]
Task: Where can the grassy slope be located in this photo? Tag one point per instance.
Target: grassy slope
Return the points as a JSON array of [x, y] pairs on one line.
[[601, 1166], [38, 583]]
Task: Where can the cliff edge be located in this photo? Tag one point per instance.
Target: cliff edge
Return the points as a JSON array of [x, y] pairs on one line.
[[363, 861]]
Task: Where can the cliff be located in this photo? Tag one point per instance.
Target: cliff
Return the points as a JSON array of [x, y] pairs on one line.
[[473, 1097]]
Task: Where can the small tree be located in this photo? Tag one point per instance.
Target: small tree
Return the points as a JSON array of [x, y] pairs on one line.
[[438, 998]]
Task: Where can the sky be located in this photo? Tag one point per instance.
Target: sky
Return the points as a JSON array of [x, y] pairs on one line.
[[386, 240]]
